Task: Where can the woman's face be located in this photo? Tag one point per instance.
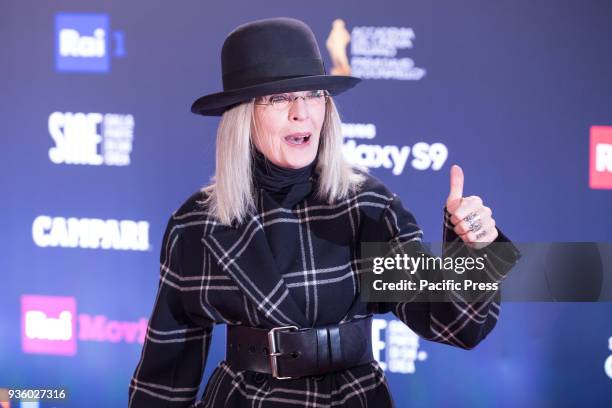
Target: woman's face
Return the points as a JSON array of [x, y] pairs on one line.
[[288, 133]]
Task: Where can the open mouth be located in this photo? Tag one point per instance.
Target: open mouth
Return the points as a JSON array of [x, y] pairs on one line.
[[297, 140]]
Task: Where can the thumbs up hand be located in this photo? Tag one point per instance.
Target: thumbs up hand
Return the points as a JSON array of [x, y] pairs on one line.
[[472, 220]]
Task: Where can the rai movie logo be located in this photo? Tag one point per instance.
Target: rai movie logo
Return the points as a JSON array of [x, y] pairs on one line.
[[49, 326], [600, 163]]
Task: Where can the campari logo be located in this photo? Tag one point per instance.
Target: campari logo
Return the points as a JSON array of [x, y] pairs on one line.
[[90, 233]]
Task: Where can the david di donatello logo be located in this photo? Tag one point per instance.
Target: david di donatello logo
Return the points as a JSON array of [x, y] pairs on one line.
[[375, 52], [83, 43]]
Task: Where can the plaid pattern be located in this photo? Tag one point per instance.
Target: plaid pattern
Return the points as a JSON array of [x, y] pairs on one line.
[[281, 267]]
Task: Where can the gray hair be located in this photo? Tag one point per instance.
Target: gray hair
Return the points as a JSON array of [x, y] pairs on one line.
[[231, 194]]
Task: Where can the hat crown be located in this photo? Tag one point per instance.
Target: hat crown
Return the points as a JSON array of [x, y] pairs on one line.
[[270, 56], [268, 50]]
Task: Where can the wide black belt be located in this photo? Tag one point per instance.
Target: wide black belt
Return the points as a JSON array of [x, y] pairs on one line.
[[289, 352]]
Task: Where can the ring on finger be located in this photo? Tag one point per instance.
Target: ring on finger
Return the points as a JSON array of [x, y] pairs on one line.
[[474, 226], [481, 234], [471, 217]]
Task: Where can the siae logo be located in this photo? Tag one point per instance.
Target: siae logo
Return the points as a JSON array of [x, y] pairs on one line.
[[82, 43], [399, 344], [91, 138]]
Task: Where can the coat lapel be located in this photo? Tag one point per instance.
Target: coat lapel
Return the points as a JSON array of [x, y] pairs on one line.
[[244, 253]]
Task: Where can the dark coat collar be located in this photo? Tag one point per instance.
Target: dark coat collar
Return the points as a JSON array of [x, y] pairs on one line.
[[243, 252]]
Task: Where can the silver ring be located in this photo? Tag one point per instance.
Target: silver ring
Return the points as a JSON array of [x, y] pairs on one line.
[[474, 226], [471, 217]]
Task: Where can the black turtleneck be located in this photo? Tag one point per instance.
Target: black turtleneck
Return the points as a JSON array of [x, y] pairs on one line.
[[287, 186]]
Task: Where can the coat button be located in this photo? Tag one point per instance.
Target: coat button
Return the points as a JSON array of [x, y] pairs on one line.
[[259, 378]]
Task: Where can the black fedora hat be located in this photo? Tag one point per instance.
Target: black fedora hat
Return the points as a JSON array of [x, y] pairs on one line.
[[269, 56]]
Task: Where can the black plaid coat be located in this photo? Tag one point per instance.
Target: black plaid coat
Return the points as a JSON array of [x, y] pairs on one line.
[[211, 274]]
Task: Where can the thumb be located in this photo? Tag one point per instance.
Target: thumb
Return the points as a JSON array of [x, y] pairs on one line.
[[456, 189]]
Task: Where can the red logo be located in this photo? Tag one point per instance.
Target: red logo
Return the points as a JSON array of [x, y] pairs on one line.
[[48, 325], [600, 164]]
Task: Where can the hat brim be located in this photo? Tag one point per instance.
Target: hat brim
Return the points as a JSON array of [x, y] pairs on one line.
[[217, 103]]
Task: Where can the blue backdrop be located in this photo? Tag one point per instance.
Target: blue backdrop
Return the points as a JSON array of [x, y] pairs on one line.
[[99, 147]]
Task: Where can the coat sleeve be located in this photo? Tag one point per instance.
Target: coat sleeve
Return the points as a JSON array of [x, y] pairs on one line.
[[458, 323], [175, 349]]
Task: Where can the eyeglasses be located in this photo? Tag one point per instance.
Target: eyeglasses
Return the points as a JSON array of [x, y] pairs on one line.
[[282, 102]]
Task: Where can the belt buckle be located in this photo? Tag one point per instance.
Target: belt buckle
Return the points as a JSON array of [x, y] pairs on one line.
[[274, 352]]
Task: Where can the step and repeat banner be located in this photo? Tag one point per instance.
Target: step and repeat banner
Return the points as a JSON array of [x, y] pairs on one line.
[[99, 147]]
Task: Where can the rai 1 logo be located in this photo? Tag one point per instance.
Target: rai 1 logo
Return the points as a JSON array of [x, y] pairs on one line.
[[608, 363], [600, 163], [82, 43]]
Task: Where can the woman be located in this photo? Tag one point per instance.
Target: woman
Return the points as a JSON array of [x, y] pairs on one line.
[[271, 248]]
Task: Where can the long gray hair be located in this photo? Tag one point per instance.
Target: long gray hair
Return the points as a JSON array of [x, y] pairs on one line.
[[231, 194]]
